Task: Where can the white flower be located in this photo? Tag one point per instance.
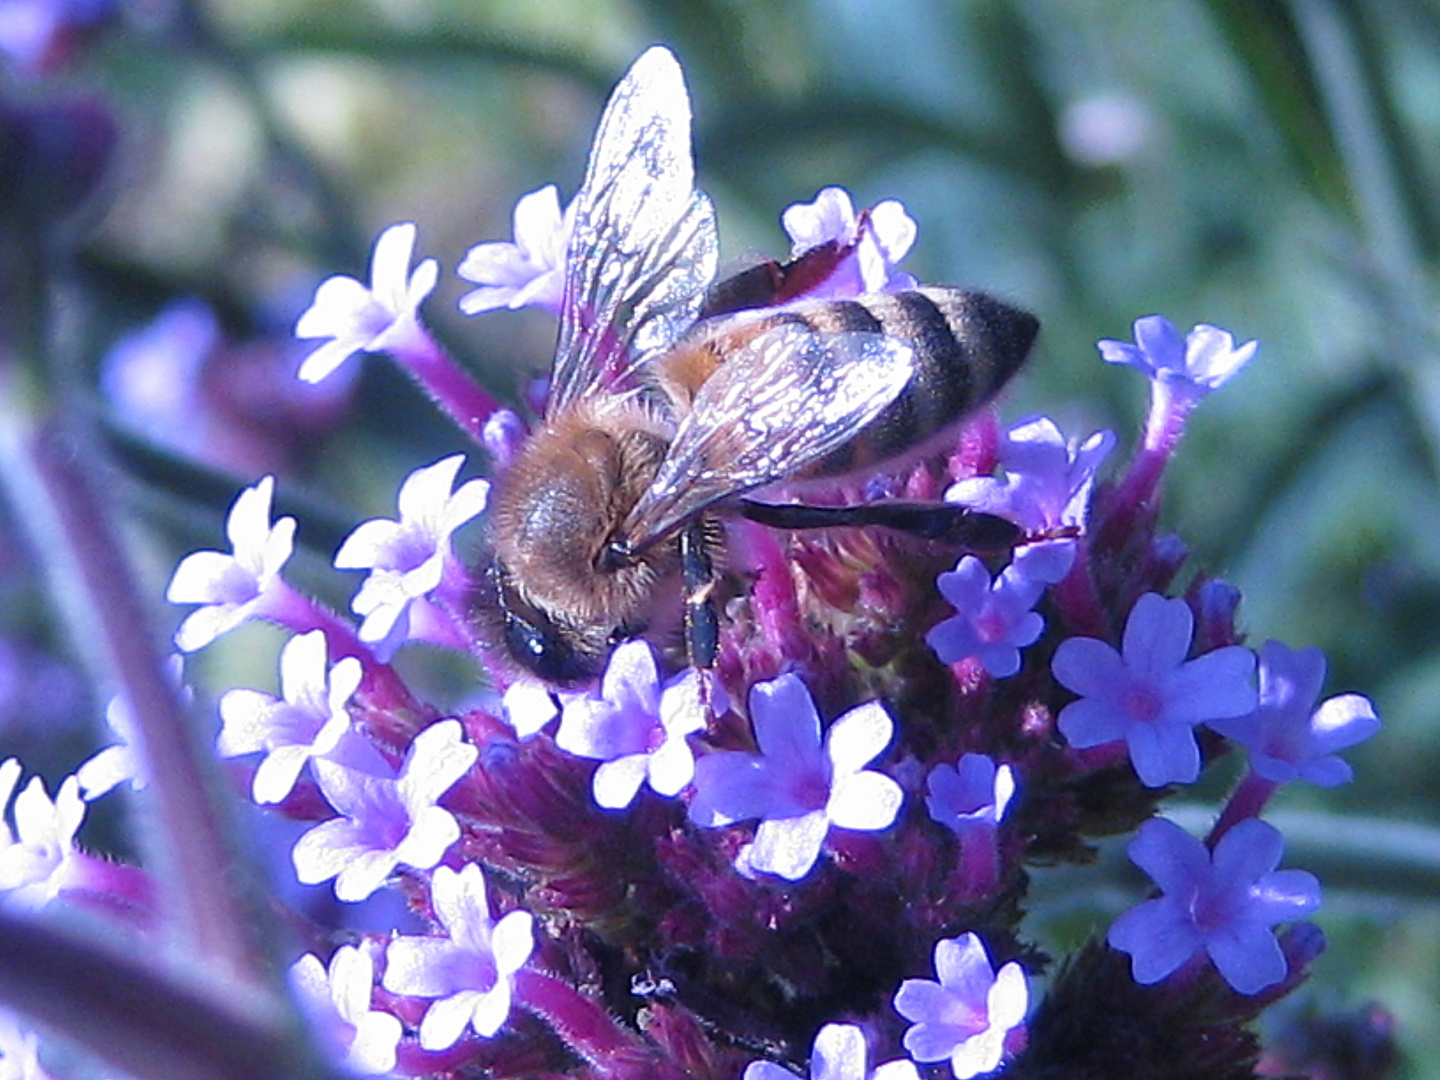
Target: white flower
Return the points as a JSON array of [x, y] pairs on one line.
[[114, 765], [407, 558], [232, 587], [382, 317], [530, 271], [39, 859], [338, 1001]]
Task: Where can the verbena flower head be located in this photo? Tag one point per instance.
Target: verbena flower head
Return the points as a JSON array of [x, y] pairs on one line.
[[380, 318], [1148, 694], [994, 621], [636, 727], [385, 820], [530, 270], [796, 786], [337, 1000], [469, 971], [971, 794], [231, 588], [966, 1016], [407, 558], [839, 1053], [306, 721], [1223, 904], [1287, 736], [881, 237]]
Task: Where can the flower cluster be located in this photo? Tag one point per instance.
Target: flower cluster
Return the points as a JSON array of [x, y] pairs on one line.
[[809, 854]]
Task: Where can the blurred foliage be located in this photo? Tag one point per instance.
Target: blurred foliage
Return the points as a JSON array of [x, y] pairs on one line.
[[1267, 167]]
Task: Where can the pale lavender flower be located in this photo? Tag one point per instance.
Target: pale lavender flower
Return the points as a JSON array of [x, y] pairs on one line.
[[1225, 904], [529, 271], [839, 1053], [1205, 360], [503, 435], [1149, 694], [408, 558], [796, 786], [971, 795], [386, 820], [1287, 736], [993, 622], [635, 727], [40, 858], [968, 1013], [232, 587], [528, 706], [116, 764], [881, 240], [381, 318], [337, 1001], [306, 721], [470, 970], [19, 1050]]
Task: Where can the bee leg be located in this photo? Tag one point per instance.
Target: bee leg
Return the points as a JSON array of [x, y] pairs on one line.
[[702, 624], [932, 521]]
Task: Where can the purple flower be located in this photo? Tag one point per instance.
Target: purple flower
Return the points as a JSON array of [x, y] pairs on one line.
[[839, 1053], [1047, 479], [796, 786], [1205, 360], [382, 318], [386, 820], [881, 239], [1288, 738], [636, 727], [408, 558], [39, 859], [967, 1015], [338, 1004], [994, 621], [232, 587], [1224, 905], [972, 796], [306, 721], [1149, 694], [530, 271], [470, 970]]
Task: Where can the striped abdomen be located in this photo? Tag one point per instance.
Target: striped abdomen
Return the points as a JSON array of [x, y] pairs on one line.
[[967, 345]]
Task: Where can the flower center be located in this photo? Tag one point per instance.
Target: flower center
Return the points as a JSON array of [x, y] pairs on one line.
[[1143, 702]]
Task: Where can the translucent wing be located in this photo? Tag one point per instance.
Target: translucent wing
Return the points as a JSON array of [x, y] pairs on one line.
[[643, 249], [773, 408]]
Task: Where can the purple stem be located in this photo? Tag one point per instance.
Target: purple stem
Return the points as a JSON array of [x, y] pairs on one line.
[[451, 387], [1248, 799]]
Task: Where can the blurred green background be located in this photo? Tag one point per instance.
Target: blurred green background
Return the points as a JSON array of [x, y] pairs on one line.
[[1271, 168]]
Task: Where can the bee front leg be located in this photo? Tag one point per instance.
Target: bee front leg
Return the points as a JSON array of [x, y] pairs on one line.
[[972, 529], [702, 624]]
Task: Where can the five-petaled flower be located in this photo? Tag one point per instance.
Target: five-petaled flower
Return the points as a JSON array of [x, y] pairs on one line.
[[1148, 694], [881, 237], [635, 726], [337, 1000], [529, 271], [408, 558], [306, 721], [387, 819], [233, 587], [1225, 904], [798, 787], [381, 318], [993, 621], [966, 1015], [971, 795], [470, 970], [1203, 361], [1287, 736], [839, 1053], [39, 859]]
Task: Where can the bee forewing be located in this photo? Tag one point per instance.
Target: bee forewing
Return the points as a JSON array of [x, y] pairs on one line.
[[643, 249], [778, 405]]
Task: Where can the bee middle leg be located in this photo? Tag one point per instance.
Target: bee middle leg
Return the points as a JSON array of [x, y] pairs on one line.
[[973, 529], [697, 570]]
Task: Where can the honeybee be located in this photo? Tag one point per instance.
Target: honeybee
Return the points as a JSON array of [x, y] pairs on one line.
[[671, 398]]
